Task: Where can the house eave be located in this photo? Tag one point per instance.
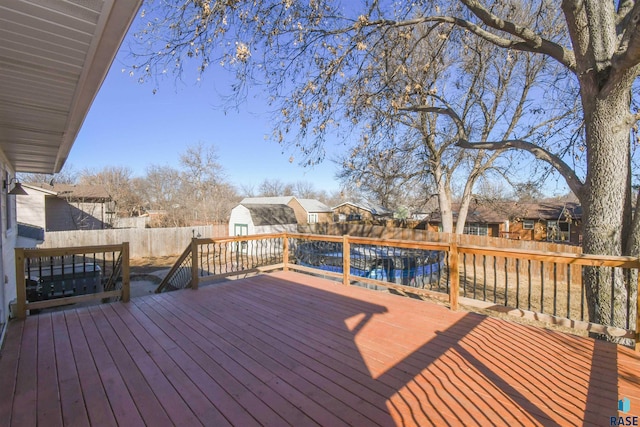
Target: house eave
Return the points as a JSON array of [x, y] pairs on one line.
[[54, 57]]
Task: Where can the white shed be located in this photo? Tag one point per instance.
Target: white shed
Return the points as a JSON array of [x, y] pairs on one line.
[[249, 219]]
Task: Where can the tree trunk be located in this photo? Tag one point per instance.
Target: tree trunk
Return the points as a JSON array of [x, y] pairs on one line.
[[465, 203], [607, 138], [444, 200]]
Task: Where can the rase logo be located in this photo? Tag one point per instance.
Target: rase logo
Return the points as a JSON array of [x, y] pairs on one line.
[[624, 406]]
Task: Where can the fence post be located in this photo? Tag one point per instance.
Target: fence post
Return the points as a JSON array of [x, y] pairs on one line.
[[454, 276], [346, 260], [21, 286], [126, 282], [285, 253], [195, 270]]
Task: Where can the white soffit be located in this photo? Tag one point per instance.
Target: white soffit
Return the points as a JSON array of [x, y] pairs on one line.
[[54, 55]]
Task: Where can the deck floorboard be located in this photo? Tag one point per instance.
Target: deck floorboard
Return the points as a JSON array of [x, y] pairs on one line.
[[292, 349]]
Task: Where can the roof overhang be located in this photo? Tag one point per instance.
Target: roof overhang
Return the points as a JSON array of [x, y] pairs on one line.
[[54, 56]]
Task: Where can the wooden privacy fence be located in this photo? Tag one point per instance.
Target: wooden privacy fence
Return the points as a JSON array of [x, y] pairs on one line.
[[545, 286], [47, 278], [143, 242]]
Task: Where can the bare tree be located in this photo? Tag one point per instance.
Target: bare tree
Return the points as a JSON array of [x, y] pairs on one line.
[[274, 188], [68, 175], [117, 181], [415, 127], [387, 175], [305, 190], [161, 192], [195, 193], [201, 180], [310, 55]]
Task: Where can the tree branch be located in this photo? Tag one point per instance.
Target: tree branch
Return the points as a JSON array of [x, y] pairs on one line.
[[628, 53], [561, 54], [623, 13], [526, 34], [533, 41], [440, 110], [633, 118], [558, 164]]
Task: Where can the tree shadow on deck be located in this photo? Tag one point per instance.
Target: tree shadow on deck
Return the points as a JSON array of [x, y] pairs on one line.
[[422, 364]]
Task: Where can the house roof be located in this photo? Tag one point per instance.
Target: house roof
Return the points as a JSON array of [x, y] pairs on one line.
[[271, 214], [477, 213], [369, 207], [549, 211], [313, 205], [280, 200], [497, 212], [93, 192], [309, 205], [54, 56]]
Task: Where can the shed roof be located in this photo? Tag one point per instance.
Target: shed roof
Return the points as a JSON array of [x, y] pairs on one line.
[[271, 214], [309, 205], [279, 200]]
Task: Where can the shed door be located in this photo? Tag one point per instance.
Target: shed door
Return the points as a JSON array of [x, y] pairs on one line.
[[240, 229]]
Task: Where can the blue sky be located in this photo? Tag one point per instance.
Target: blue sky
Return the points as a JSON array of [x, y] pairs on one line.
[[130, 126]]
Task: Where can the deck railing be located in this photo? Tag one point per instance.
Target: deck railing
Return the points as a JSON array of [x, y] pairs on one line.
[[47, 278], [211, 259], [546, 286]]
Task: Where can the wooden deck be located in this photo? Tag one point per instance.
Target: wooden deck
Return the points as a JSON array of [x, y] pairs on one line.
[[291, 349]]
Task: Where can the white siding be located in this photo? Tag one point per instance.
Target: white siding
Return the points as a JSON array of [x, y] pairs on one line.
[[241, 215], [9, 233], [31, 208]]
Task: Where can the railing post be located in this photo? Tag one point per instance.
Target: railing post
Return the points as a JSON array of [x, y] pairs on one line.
[[126, 282], [195, 270], [21, 286], [285, 253], [454, 276], [638, 310], [346, 260]]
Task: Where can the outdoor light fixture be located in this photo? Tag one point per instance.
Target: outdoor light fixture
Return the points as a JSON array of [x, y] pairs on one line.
[[17, 189]]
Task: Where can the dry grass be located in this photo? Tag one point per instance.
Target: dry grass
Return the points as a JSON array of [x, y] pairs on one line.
[[144, 265], [532, 293]]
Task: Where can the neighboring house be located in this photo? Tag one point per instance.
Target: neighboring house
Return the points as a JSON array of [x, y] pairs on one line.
[[252, 219], [481, 220], [63, 207], [547, 221], [308, 211], [364, 211], [54, 57], [542, 221]]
